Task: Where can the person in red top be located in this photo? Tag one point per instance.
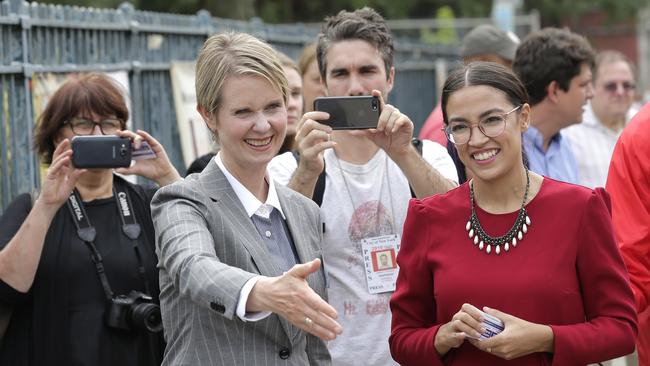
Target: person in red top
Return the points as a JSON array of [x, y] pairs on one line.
[[536, 253], [628, 183]]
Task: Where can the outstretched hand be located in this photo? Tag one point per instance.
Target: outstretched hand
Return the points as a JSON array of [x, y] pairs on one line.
[[291, 297]]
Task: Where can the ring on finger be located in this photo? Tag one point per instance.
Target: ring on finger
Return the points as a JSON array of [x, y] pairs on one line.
[[308, 321]]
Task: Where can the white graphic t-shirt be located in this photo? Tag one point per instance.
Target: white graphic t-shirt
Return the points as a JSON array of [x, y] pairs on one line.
[[360, 202]]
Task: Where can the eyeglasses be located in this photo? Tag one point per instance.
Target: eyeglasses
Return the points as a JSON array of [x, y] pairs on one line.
[[612, 87], [459, 132], [83, 126]]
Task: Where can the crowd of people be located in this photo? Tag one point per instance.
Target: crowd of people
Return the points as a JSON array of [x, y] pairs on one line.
[[523, 205]]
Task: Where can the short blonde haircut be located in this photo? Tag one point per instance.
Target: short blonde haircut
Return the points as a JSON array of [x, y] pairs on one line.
[[235, 54], [287, 62]]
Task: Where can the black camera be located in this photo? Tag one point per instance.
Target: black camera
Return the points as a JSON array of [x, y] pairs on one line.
[[135, 311]]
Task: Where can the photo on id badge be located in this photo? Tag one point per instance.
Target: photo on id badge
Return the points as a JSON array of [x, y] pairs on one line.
[[383, 260]]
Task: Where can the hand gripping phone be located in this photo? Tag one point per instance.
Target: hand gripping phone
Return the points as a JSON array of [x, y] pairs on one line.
[[349, 113], [96, 152]]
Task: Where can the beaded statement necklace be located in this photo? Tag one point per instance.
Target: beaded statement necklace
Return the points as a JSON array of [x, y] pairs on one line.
[[511, 238]]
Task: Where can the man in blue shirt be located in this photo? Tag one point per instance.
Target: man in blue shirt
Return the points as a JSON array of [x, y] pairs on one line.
[[555, 66]]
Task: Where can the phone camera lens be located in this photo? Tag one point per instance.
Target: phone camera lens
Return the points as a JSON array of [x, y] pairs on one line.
[[374, 104], [123, 150]]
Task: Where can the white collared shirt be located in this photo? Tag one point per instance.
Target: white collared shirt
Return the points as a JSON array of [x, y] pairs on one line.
[[252, 206], [593, 145]]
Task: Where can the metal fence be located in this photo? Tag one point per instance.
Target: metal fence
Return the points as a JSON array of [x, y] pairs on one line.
[[36, 38]]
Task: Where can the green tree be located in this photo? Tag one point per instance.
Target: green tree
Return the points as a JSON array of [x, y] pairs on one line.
[[443, 35]]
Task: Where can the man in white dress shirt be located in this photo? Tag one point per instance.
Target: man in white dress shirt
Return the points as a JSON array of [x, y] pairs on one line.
[[604, 118]]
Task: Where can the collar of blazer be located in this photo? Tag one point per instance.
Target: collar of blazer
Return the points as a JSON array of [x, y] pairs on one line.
[[216, 186]]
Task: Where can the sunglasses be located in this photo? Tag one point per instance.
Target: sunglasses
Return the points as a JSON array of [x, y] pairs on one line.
[[612, 87]]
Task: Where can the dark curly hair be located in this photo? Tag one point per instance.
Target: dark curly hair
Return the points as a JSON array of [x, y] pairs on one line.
[[551, 54]]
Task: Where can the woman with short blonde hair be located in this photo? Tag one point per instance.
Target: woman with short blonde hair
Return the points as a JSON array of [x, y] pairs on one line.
[[240, 256]]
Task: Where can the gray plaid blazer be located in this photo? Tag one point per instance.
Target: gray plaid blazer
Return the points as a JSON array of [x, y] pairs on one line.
[[207, 249]]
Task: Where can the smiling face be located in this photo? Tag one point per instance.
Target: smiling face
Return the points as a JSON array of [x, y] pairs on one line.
[[355, 67], [250, 123], [488, 158]]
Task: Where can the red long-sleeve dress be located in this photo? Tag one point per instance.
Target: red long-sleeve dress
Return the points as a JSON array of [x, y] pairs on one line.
[[566, 273]]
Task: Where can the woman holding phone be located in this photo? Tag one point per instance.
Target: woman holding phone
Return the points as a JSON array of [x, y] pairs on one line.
[[536, 254], [78, 263]]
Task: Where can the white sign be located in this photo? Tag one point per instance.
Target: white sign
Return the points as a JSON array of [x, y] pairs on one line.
[[196, 138]]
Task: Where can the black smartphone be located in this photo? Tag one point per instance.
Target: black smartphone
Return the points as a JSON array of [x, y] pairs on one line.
[[349, 113], [94, 151]]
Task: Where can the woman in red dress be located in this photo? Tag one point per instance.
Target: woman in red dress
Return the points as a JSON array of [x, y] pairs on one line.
[[536, 253]]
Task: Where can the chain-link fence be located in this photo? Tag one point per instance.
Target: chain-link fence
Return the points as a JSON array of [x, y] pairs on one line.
[[37, 39]]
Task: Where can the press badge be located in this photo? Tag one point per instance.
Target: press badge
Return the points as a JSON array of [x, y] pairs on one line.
[[379, 258]]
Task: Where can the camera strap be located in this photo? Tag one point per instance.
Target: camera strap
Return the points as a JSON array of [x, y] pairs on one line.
[[87, 233], [131, 228]]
